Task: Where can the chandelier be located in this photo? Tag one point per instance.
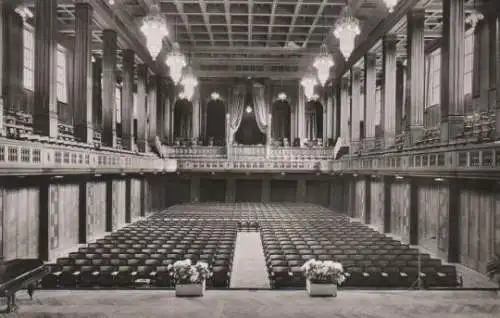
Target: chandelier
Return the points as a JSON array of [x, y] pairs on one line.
[[390, 4], [189, 82], [176, 62], [309, 82], [154, 27], [323, 63], [346, 30], [215, 96], [282, 96]]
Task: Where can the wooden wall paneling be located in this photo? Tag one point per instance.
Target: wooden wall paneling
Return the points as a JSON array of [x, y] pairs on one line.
[[377, 203], [118, 199], [387, 182], [301, 190], [496, 222], [144, 196], [96, 209], [195, 189], [135, 199], [283, 190], [317, 192], [360, 196], [21, 211], [368, 200], [400, 210], [177, 189], [109, 205], [2, 193], [266, 190], [82, 212], [64, 218], [212, 190], [128, 200], [248, 190]]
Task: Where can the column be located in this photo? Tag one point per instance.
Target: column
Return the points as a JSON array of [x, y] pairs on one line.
[[400, 95], [329, 115], [2, 44], [388, 105], [97, 94], [142, 126], [481, 72], [152, 100], [128, 100], [452, 70], [301, 115], [82, 75], [345, 112], [414, 110], [165, 124], [45, 95], [195, 131], [496, 68], [370, 98], [109, 47], [162, 96], [355, 109]]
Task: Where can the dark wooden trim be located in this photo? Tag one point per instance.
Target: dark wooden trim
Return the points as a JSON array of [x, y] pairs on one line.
[[128, 208], [109, 205], [413, 212], [44, 217], [454, 222], [368, 201], [142, 211], [82, 212], [387, 183]]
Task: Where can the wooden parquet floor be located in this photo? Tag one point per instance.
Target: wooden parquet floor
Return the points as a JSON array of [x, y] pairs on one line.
[[265, 304]]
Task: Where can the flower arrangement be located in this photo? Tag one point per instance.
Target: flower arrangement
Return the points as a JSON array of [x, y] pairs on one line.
[[184, 272], [324, 272]]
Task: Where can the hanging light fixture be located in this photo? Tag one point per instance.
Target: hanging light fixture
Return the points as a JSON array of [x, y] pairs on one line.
[[176, 62], [309, 82], [189, 82], [282, 96], [346, 30], [154, 27], [323, 63], [390, 4]]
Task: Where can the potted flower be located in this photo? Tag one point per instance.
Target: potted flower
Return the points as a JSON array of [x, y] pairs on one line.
[[189, 279], [493, 269], [323, 277]]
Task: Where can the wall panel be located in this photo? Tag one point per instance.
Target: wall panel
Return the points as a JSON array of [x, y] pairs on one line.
[[317, 192], [359, 204], [176, 190], [118, 207], [377, 204], [135, 199], [433, 211], [20, 210], [212, 190], [477, 226], [283, 190], [64, 218], [400, 210], [96, 209], [248, 190]]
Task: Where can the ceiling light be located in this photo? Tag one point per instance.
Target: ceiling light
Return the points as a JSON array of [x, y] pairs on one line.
[[154, 27], [323, 63], [215, 96], [182, 95], [346, 30], [175, 62], [111, 2], [248, 109], [309, 82], [390, 4], [282, 96], [189, 82]]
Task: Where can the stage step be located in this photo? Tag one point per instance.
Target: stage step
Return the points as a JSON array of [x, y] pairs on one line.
[[249, 264]]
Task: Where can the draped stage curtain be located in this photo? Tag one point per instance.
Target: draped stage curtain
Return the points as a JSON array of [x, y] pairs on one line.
[[236, 109], [261, 107]]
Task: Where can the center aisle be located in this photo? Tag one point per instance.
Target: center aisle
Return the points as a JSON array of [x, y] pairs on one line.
[[249, 264]]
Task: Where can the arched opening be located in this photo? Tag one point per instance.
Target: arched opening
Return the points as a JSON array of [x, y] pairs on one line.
[[314, 120], [183, 111], [248, 133], [280, 126], [216, 123]]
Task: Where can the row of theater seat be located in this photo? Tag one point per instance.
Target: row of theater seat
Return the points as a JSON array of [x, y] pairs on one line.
[[370, 259], [140, 255]]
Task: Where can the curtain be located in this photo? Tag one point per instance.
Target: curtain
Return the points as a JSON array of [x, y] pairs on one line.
[[236, 109], [261, 107]]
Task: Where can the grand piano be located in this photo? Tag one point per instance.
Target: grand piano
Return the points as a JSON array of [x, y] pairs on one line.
[[19, 274]]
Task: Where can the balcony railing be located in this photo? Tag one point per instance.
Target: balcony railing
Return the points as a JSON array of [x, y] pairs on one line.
[[18, 157]]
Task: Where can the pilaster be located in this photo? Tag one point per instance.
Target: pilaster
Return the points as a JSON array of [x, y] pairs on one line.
[[196, 114], [400, 96], [370, 94], [301, 114], [414, 110], [388, 105], [355, 109], [496, 68], [128, 100], [82, 75], [108, 88], [345, 112], [142, 126], [45, 95], [152, 105], [452, 70]]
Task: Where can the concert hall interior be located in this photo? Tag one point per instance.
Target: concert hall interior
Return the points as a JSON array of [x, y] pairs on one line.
[[252, 136]]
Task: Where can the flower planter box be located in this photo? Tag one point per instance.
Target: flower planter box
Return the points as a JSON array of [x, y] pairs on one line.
[[315, 289], [190, 290]]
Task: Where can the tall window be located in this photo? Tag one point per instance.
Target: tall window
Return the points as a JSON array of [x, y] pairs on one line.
[[29, 57], [434, 78], [469, 61], [118, 104], [62, 89]]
